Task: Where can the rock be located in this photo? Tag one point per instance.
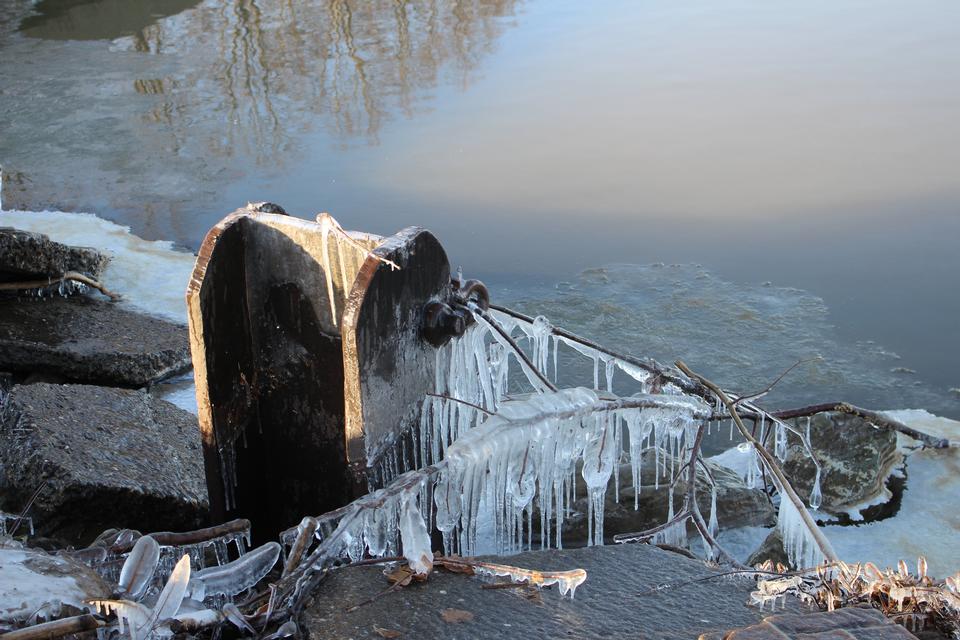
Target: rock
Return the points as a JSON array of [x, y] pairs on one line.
[[770, 549], [33, 582], [86, 339], [848, 622], [737, 505], [25, 256], [109, 457], [856, 458], [622, 597]]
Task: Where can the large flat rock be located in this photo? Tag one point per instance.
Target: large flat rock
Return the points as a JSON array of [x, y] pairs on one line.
[[109, 457], [86, 339], [25, 255], [614, 602]]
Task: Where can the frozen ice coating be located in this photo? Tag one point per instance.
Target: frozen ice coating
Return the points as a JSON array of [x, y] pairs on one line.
[[237, 576], [139, 567], [799, 544], [414, 534], [132, 617], [566, 581]]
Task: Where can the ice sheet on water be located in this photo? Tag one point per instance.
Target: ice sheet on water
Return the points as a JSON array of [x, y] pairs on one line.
[[746, 334], [151, 276]]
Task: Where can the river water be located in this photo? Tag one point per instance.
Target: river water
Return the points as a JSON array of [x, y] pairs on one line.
[[738, 184], [804, 154]]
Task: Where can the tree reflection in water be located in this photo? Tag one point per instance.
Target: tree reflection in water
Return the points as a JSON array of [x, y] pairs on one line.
[[265, 69]]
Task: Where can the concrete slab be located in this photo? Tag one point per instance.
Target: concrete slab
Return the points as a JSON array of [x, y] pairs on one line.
[[614, 602], [86, 339]]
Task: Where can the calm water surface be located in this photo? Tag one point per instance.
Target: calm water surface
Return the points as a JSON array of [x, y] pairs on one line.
[[810, 147]]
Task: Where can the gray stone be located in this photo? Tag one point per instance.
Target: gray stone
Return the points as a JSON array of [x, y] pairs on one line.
[[109, 457], [737, 505], [86, 339], [620, 599], [770, 549], [25, 256], [848, 623], [856, 458]]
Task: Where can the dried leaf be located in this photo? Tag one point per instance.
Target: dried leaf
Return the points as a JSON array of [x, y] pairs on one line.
[[455, 567], [401, 576], [456, 616], [386, 633]]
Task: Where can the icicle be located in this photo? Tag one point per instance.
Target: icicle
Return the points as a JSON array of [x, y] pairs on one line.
[[801, 548], [816, 497], [556, 345], [237, 576], [567, 581], [713, 528], [609, 373], [780, 442], [596, 371], [414, 535]]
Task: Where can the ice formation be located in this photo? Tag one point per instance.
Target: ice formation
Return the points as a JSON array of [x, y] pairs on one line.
[[235, 577], [499, 459]]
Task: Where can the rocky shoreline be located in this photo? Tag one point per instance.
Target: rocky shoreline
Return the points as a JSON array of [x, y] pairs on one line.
[[86, 449]]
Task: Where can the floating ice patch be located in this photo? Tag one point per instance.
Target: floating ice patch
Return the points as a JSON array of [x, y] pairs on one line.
[[741, 335], [151, 276], [927, 523]]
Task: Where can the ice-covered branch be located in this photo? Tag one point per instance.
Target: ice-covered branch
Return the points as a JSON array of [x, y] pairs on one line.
[[69, 276], [873, 417], [793, 519]]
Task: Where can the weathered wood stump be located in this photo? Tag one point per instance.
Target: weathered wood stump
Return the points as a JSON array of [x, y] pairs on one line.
[[299, 392]]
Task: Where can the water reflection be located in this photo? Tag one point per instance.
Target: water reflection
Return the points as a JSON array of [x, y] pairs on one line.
[[183, 99], [269, 66], [97, 19]]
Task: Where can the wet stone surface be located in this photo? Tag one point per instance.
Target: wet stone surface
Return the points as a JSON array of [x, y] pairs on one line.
[[108, 457], [853, 623], [612, 603], [856, 458], [737, 504], [25, 256], [87, 339]]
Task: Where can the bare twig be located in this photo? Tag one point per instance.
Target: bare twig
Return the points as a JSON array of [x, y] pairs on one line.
[[69, 275], [873, 417], [23, 514], [56, 628], [750, 397], [458, 400], [649, 365], [513, 345], [786, 488], [176, 539]]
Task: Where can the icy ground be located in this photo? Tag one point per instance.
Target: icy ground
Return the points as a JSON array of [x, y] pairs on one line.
[[742, 334]]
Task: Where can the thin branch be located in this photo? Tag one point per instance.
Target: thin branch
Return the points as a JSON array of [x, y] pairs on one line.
[[23, 514], [513, 345], [458, 400], [873, 417], [176, 538], [69, 275], [787, 490], [750, 397], [56, 628], [649, 365]]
